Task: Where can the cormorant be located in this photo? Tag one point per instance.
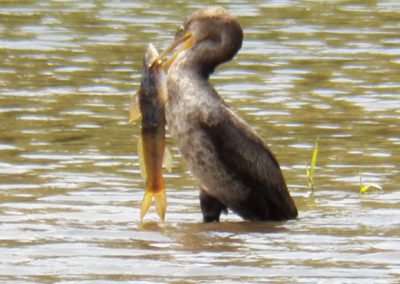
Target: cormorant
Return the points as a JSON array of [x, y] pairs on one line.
[[233, 166]]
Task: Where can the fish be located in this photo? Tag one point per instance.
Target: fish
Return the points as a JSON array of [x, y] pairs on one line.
[[148, 103]]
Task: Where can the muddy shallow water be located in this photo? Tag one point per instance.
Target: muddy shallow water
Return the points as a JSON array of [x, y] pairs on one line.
[[70, 186]]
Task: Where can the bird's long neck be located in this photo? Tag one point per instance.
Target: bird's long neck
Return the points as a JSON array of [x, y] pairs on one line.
[[185, 80]]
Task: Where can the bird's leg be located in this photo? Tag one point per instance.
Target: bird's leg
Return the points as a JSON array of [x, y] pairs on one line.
[[211, 207]]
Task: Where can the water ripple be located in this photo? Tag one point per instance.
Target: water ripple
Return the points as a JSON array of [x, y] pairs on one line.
[[70, 183]]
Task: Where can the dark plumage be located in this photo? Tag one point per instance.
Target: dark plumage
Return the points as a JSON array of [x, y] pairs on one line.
[[233, 166]]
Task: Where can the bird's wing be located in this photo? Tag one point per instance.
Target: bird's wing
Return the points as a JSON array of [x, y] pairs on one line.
[[245, 155]]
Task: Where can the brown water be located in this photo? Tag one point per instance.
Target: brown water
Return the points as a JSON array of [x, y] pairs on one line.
[[70, 187]]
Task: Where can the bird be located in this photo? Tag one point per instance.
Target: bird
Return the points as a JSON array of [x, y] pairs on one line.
[[235, 169]]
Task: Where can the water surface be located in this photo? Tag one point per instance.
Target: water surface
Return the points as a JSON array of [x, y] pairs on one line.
[[70, 186]]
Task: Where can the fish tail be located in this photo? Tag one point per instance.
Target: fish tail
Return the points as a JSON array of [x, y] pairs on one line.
[[146, 202], [160, 200]]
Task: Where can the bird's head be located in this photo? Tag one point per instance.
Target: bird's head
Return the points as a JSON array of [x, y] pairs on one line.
[[207, 38]]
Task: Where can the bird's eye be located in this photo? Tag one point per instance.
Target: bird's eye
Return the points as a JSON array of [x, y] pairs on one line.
[[180, 32]]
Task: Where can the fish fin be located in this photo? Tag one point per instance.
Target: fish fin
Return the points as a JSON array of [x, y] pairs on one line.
[[134, 109], [142, 164], [167, 162], [146, 202], [160, 200], [151, 54]]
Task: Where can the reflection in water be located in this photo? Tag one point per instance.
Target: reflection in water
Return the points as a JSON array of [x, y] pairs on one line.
[[70, 187]]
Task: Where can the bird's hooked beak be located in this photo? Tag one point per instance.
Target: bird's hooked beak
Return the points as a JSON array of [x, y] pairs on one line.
[[185, 39]]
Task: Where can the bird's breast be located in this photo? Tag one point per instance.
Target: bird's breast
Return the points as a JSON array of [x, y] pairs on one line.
[[201, 156]]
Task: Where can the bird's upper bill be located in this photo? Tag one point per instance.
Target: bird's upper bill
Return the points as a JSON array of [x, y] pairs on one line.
[[183, 39]]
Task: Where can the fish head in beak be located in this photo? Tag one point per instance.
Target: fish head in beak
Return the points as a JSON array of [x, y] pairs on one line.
[[183, 39]]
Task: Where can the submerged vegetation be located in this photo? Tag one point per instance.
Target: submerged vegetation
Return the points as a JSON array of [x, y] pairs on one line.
[[310, 170], [365, 186]]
